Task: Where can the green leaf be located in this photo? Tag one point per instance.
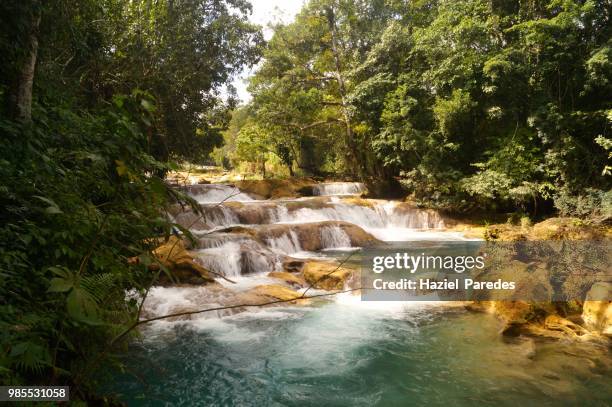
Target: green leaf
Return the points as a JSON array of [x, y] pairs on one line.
[[148, 106], [121, 168], [53, 208], [60, 285], [82, 307]]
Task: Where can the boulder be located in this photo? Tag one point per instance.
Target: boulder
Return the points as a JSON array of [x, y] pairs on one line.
[[173, 256], [293, 265], [597, 309], [291, 279], [326, 275]]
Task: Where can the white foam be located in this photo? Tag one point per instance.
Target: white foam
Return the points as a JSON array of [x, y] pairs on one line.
[[217, 193], [334, 237], [339, 188], [224, 259], [287, 243]]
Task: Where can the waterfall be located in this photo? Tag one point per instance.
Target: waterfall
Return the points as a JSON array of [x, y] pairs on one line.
[[216, 240], [237, 252], [219, 216], [339, 188], [224, 259], [244, 255], [377, 214], [360, 215], [216, 193], [287, 243], [413, 218], [334, 237]]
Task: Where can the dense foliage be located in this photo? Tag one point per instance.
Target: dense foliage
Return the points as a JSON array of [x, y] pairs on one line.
[[468, 103], [95, 97]]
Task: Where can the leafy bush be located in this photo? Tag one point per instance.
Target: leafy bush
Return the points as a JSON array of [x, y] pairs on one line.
[[592, 204], [79, 198]]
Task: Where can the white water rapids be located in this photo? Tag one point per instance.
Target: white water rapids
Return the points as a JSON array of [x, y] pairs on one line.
[[269, 231]]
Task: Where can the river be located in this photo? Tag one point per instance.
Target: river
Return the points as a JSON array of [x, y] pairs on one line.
[[337, 351]]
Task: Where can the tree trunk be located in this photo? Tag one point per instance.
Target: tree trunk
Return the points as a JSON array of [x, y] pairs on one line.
[[22, 106], [263, 167], [351, 154]]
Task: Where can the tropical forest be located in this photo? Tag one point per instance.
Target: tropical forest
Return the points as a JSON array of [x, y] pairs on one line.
[[192, 193]]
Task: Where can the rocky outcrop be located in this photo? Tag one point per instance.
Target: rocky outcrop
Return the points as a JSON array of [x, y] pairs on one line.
[[173, 255], [308, 234], [552, 278], [289, 278], [326, 275], [276, 188], [550, 229], [597, 309]]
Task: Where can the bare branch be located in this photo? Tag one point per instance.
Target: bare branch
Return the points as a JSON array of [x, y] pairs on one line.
[[202, 311]]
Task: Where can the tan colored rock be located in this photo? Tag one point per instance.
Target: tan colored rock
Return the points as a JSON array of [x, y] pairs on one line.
[[596, 311], [369, 203], [291, 265], [550, 229], [326, 275], [288, 278], [309, 234], [278, 292], [276, 188], [173, 256], [511, 312], [557, 323]]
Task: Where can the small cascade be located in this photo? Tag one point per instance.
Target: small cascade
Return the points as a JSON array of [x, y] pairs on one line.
[[224, 259], [334, 237], [278, 213], [215, 240], [219, 216], [363, 216], [285, 227], [339, 188], [217, 193], [369, 214], [414, 218], [213, 216], [288, 243], [241, 256]]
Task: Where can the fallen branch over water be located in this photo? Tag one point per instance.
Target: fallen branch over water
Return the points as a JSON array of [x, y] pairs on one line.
[[201, 311]]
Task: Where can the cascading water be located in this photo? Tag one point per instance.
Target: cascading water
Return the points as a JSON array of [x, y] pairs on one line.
[[287, 243], [225, 259], [368, 214], [339, 188], [339, 351], [334, 237], [216, 193]]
